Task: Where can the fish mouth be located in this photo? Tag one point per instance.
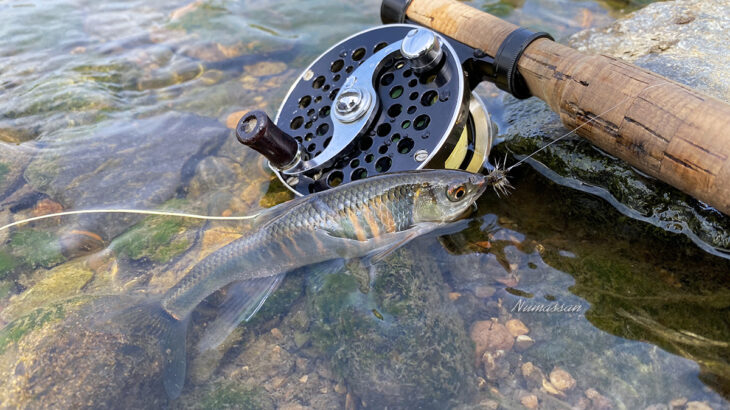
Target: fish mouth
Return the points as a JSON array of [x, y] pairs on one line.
[[481, 182]]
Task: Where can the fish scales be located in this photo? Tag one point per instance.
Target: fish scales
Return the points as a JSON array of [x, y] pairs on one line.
[[367, 218], [347, 214]]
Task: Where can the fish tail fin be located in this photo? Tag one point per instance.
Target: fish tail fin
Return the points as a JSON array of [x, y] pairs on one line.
[[151, 319]]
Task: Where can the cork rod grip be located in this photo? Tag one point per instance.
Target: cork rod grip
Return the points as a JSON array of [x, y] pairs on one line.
[[663, 128]]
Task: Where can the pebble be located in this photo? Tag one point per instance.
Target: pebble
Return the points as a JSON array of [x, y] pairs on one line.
[[523, 342], [350, 402], [496, 365], [484, 292], [516, 327], [276, 333], [276, 383], [533, 375], [548, 387], [599, 401], [302, 363], [489, 404], [562, 380], [529, 401], [678, 403], [489, 335], [340, 388], [698, 405], [454, 296], [304, 378]]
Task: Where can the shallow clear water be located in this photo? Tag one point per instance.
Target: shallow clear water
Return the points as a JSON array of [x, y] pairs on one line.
[[126, 104]]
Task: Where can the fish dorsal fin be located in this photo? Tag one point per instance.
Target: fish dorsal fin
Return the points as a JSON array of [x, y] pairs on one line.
[[268, 215], [243, 300]]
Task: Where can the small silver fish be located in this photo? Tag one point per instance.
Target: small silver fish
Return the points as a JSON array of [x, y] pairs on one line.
[[363, 219]]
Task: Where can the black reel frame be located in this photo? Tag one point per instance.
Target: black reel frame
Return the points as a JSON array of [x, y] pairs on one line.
[[418, 115]]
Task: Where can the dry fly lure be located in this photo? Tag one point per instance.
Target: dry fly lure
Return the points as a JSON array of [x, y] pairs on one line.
[[497, 178]]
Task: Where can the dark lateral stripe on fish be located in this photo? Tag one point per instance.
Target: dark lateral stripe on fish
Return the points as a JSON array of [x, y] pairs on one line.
[[294, 245], [370, 220], [386, 217], [359, 232]]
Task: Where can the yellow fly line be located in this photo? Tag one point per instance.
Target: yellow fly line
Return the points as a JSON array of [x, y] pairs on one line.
[[130, 211]]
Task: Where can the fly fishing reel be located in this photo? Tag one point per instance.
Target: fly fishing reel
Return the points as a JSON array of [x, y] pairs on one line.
[[392, 98]]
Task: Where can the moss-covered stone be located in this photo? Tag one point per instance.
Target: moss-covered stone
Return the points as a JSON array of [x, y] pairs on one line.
[[7, 264], [65, 357], [400, 345], [15, 330], [36, 248], [62, 282], [156, 238]]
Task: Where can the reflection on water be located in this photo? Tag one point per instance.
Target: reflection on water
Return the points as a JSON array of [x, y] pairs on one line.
[[128, 104]]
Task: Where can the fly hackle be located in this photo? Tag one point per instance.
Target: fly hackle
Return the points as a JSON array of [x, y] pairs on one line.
[[497, 178]]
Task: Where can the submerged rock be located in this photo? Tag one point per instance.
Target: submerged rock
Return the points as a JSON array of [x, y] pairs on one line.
[[60, 356], [401, 345], [686, 41], [146, 162]]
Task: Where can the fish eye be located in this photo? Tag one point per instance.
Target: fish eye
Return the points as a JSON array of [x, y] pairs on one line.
[[456, 193]]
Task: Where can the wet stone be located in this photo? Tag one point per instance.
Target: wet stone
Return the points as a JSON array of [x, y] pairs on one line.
[[561, 379], [145, 163], [529, 401], [490, 336], [678, 403], [599, 401], [523, 342], [516, 328], [698, 405], [71, 365]]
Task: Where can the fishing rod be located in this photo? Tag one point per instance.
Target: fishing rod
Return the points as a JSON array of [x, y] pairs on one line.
[[400, 97], [672, 132]]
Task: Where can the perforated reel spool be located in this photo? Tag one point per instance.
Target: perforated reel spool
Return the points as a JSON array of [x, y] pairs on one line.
[[417, 118]]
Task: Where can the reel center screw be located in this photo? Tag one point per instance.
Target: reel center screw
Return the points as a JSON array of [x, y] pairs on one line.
[[352, 102]]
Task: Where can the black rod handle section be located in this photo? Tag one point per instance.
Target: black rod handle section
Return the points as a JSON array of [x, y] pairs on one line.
[[256, 130]]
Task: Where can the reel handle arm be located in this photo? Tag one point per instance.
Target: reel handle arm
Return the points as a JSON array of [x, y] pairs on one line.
[[256, 130], [661, 127]]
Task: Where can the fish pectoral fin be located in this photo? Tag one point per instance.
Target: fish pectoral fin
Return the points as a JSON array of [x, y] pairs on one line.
[[395, 240], [243, 300]]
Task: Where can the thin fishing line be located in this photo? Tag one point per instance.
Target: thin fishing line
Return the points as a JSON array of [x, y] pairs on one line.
[[581, 126], [131, 211]]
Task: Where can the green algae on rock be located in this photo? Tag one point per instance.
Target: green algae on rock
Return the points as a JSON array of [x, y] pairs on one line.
[[17, 329], [158, 238], [64, 360], [414, 353], [36, 248], [62, 282]]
